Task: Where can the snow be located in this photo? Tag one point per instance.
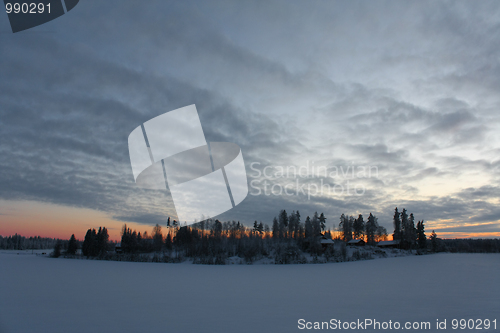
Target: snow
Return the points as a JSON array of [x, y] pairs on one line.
[[41, 294]]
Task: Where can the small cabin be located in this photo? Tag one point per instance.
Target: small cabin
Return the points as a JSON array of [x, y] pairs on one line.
[[326, 243], [118, 248], [356, 242], [388, 244]]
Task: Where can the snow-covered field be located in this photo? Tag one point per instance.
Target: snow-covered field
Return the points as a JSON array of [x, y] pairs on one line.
[[40, 294]]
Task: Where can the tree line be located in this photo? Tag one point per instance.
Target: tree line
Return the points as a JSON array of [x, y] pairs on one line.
[[18, 242], [287, 240]]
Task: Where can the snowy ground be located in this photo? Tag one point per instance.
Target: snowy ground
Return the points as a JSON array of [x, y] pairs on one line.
[[40, 294]]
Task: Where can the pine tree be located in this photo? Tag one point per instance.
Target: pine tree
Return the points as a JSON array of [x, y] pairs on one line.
[[72, 245], [283, 223], [345, 228], [168, 242], [322, 221], [351, 224], [359, 227], [89, 246], [255, 227], [397, 225], [434, 243], [422, 239], [101, 244], [316, 225], [134, 244], [276, 229], [405, 242], [411, 232], [217, 229], [309, 232], [57, 249], [141, 245], [292, 224], [371, 229], [157, 237], [298, 227]]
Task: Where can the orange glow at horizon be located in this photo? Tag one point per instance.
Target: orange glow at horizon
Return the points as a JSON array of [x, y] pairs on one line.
[[30, 218]]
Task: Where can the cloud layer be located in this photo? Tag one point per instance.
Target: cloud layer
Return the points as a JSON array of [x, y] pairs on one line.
[[410, 89]]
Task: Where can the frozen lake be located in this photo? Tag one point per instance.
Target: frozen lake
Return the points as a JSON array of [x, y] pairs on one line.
[[39, 294]]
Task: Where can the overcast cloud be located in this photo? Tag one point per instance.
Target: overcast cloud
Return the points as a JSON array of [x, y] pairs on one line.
[[410, 88]]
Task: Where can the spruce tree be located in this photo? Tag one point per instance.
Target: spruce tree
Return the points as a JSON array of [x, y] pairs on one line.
[[434, 243], [292, 224], [371, 229], [276, 229], [359, 227], [72, 245], [255, 227], [298, 227], [283, 223], [168, 242], [397, 225], [57, 249], [422, 239], [345, 228], [411, 232], [157, 238], [309, 232], [89, 246], [322, 221], [405, 242], [316, 225], [101, 243]]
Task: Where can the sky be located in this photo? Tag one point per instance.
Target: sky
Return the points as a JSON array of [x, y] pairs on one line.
[[405, 90]]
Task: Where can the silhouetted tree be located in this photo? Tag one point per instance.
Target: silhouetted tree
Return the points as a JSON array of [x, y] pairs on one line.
[[322, 221], [421, 238], [57, 249], [157, 237], [168, 242], [434, 242], [102, 238], [359, 227], [397, 225], [89, 246], [345, 228], [276, 229], [309, 229], [411, 232], [283, 224], [371, 229], [316, 225], [255, 226], [72, 245]]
